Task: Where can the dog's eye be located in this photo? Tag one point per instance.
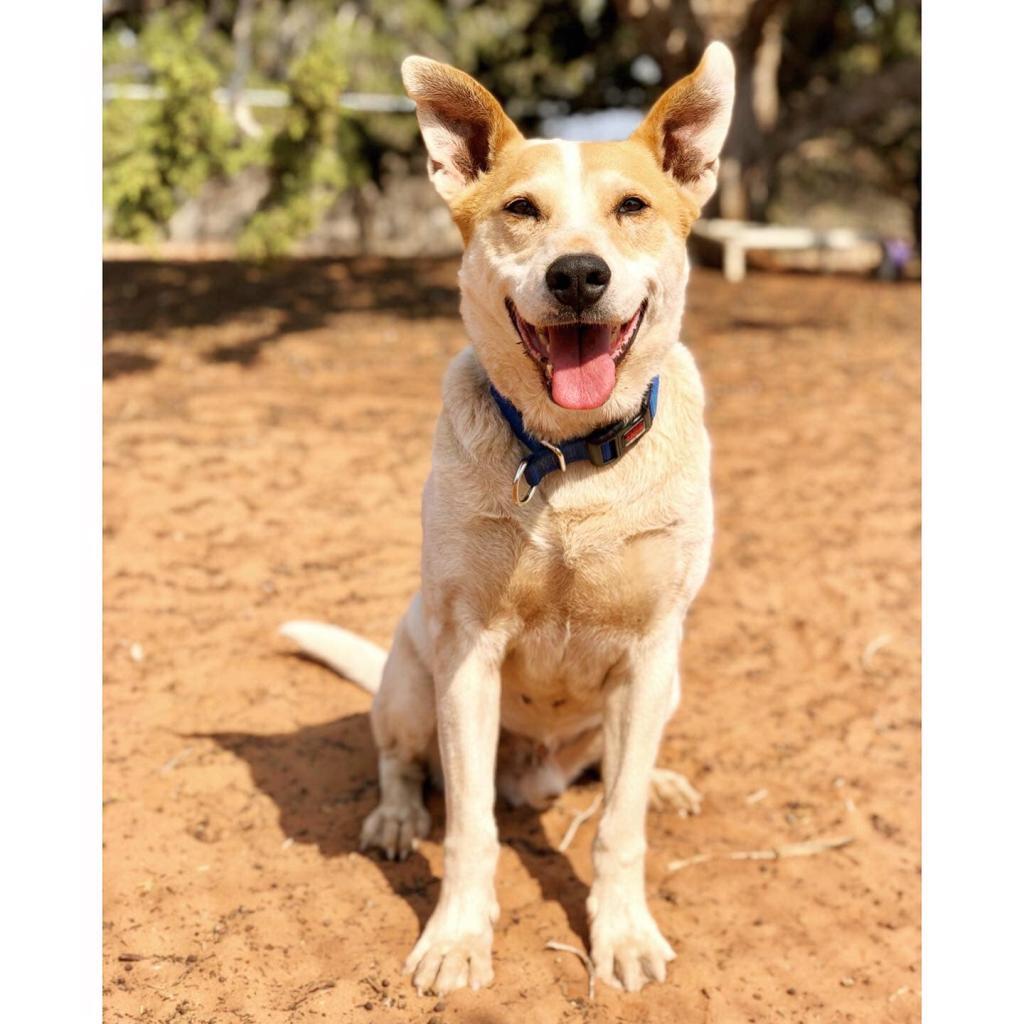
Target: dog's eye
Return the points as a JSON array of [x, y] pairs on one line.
[[522, 208], [632, 204]]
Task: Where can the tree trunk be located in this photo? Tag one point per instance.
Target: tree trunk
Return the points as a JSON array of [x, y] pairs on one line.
[[754, 35], [736, 200], [241, 36]]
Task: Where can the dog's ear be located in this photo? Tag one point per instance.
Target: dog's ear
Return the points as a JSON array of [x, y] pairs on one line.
[[687, 126], [462, 124]]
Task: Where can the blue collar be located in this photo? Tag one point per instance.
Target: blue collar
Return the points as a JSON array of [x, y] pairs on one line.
[[601, 447]]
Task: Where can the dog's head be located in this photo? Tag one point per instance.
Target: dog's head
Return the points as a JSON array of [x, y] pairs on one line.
[[575, 262]]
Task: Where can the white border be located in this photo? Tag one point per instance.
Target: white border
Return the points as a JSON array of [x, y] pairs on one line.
[[51, 557], [973, 511]]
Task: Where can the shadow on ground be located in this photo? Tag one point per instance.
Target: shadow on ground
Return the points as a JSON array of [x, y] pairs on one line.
[[322, 779], [141, 295], [282, 298]]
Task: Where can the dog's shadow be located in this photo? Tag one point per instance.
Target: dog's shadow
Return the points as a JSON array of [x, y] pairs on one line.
[[323, 780]]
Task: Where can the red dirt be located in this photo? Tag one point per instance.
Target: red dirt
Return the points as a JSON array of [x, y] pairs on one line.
[[267, 435]]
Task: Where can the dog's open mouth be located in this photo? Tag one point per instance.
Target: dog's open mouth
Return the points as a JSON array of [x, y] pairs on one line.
[[578, 360]]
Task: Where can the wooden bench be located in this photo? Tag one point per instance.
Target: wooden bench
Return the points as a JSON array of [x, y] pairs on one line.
[[737, 237]]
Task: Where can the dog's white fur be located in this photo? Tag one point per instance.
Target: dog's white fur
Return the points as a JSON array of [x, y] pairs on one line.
[[553, 626]]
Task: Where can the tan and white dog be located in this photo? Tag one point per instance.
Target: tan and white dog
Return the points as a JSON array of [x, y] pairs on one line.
[[545, 637]]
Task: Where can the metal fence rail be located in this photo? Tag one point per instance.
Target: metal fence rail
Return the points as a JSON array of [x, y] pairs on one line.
[[363, 101]]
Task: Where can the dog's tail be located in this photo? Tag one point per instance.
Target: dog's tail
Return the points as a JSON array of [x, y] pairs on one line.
[[349, 655]]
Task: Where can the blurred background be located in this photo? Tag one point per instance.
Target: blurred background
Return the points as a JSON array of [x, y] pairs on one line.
[[264, 128]]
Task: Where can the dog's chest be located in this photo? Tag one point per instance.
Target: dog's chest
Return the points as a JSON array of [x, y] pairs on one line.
[[579, 597]]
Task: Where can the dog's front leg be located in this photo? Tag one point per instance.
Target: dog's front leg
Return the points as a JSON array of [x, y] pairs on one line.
[[455, 947], [627, 948]]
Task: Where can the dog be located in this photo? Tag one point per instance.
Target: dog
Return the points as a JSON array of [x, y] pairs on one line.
[[567, 518]]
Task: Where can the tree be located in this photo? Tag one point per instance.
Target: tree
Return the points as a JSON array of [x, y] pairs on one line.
[[313, 156], [156, 153], [803, 69]]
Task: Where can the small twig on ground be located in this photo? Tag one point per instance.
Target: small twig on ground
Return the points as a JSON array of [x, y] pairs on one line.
[[756, 797], [376, 988], [178, 958], [707, 1006], [561, 947], [697, 858], [872, 648], [752, 855], [812, 846], [173, 762], [574, 825], [311, 989], [806, 849]]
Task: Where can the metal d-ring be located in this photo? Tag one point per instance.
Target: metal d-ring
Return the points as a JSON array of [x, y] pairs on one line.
[[557, 453], [517, 490], [517, 495]]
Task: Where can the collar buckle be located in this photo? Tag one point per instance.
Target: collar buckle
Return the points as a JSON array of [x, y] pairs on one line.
[[607, 446]]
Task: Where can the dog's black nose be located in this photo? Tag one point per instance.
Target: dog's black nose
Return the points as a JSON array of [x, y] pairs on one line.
[[578, 279]]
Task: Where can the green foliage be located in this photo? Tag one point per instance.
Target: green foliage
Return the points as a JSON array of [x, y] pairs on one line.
[[873, 35], [157, 153], [314, 156]]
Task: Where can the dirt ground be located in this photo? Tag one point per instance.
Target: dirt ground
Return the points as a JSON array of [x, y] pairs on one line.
[[267, 436]]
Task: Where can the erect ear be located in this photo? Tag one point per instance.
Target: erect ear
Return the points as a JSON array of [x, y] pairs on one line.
[[462, 124], [687, 126]]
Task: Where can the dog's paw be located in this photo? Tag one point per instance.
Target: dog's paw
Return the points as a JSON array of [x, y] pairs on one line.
[[672, 791], [395, 830], [451, 955], [627, 948]]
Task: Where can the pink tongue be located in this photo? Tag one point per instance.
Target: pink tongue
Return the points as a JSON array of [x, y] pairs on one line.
[[583, 371]]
